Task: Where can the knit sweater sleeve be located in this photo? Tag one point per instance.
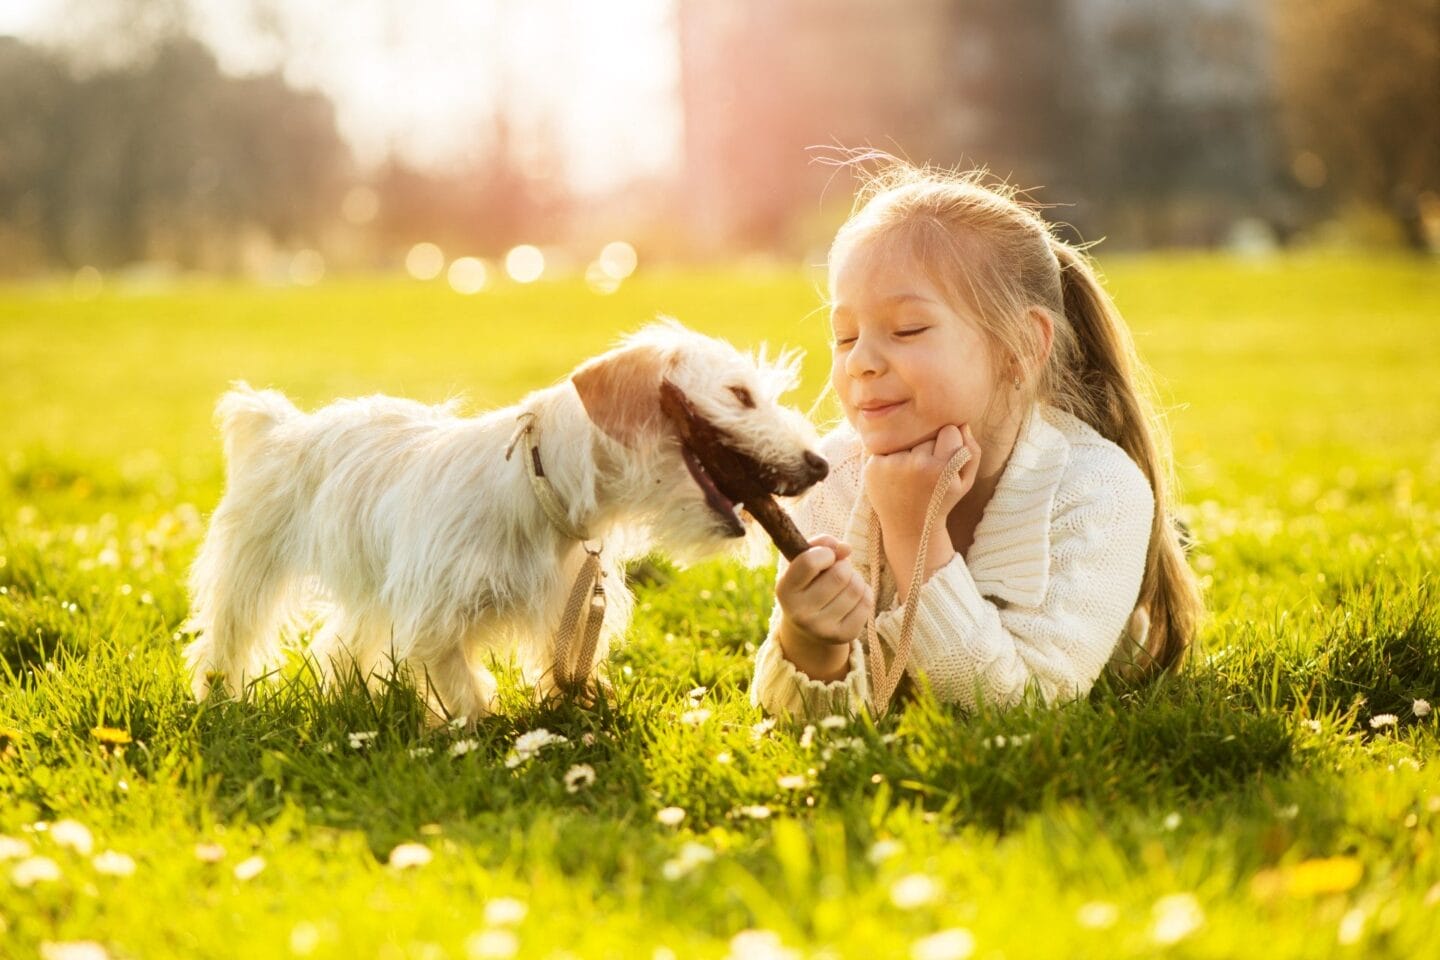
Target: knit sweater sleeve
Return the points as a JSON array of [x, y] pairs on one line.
[[971, 647], [778, 686]]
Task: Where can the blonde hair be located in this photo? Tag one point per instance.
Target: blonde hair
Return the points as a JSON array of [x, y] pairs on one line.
[[983, 247]]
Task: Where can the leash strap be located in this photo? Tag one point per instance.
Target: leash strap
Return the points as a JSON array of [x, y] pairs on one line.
[[584, 612], [883, 679]]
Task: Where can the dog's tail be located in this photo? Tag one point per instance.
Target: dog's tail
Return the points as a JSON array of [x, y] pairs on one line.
[[247, 415]]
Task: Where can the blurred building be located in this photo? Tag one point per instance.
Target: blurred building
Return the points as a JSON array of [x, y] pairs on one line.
[[1150, 121]]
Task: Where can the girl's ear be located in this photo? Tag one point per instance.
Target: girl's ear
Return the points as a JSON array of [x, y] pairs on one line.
[[621, 391], [1044, 325]]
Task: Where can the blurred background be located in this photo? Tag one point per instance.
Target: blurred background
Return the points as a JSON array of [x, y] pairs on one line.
[[286, 140]]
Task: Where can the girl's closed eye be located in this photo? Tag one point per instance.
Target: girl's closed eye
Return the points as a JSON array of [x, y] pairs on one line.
[[912, 332]]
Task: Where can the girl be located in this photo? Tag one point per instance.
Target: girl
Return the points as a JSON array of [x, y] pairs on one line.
[[985, 375]]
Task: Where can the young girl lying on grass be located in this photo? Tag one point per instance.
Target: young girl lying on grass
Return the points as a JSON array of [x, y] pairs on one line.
[[963, 327]]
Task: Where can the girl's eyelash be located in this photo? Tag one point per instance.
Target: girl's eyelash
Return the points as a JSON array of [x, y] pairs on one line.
[[844, 341]]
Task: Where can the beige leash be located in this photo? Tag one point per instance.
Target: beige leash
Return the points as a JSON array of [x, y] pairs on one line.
[[883, 679], [584, 612]]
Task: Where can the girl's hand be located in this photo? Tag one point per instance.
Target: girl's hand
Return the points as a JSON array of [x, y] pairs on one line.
[[825, 603], [900, 485]]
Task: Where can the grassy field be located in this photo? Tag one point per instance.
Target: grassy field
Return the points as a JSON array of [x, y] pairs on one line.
[[1259, 804]]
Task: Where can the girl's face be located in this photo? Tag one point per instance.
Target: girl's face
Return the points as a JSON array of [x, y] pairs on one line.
[[904, 362]]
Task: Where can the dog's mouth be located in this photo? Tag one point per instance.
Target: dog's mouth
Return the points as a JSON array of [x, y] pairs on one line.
[[717, 501], [727, 476]]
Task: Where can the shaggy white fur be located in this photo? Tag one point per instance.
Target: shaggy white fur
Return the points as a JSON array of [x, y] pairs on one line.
[[431, 547]]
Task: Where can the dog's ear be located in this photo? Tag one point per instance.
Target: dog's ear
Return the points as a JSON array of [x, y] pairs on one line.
[[621, 390]]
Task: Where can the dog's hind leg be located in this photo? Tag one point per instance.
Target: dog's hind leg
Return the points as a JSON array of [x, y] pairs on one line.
[[355, 643], [451, 684], [239, 585]]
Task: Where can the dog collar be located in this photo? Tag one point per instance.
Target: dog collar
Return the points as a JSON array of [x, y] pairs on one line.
[[544, 490]]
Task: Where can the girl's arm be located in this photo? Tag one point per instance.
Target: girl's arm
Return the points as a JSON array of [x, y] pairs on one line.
[[972, 648], [796, 673]]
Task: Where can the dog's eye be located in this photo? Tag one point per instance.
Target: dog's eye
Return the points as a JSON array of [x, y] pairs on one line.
[[744, 397]]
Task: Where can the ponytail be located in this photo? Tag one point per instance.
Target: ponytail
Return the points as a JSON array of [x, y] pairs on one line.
[[1110, 391]]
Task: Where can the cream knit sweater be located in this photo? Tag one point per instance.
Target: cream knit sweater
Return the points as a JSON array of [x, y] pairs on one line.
[[1043, 598]]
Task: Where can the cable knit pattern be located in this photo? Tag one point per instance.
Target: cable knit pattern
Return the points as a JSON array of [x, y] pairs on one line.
[[1042, 599]]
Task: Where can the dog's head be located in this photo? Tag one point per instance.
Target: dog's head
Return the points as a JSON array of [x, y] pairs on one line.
[[701, 427]]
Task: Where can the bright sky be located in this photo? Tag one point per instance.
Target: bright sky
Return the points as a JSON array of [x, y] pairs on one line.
[[424, 75]]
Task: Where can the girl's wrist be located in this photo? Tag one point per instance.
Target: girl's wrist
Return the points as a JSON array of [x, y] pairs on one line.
[[817, 658]]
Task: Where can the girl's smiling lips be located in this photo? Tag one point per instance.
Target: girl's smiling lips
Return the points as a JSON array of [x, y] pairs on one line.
[[879, 408]]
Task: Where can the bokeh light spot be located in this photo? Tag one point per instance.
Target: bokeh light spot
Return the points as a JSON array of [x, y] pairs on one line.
[[525, 264], [599, 280], [307, 268], [467, 275], [618, 259], [87, 283], [424, 261]]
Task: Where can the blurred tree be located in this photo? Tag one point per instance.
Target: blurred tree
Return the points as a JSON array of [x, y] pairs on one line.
[[162, 157], [1360, 88]]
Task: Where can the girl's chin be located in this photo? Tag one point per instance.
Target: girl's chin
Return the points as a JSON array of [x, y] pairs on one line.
[[880, 442]]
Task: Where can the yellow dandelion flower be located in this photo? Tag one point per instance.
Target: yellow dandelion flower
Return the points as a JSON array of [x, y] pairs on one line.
[[112, 736]]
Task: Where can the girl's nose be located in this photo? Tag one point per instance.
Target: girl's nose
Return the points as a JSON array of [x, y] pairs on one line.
[[863, 359]]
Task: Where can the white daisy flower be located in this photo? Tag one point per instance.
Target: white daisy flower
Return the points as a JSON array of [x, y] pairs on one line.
[[914, 890], [756, 811], [697, 693], [834, 722], [73, 834], [695, 717], [792, 781], [1352, 927], [461, 747], [249, 868], [492, 945], [505, 911], [1097, 915], [114, 864], [956, 943], [1312, 725], [883, 850], [807, 736], [763, 727], [671, 816], [691, 856], [13, 848], [536, 740], [1421, 708], [358, 741], [72, 950], [209, 852], [759, 945], [578, 777], [408, 855], [418, 752], [723, 757], [1172, 821], [1176, 917], [1383, 720], [34, 870]]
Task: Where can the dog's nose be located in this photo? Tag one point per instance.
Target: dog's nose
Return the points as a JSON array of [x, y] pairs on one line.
[[817, 466]]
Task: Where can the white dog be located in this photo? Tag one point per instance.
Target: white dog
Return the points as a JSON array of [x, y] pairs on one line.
[[436, 547]]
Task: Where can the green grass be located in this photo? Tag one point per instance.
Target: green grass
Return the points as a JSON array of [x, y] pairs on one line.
[[1246, 806]]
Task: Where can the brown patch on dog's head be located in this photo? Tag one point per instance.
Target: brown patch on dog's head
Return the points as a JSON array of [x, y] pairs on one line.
[[621, 390]]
